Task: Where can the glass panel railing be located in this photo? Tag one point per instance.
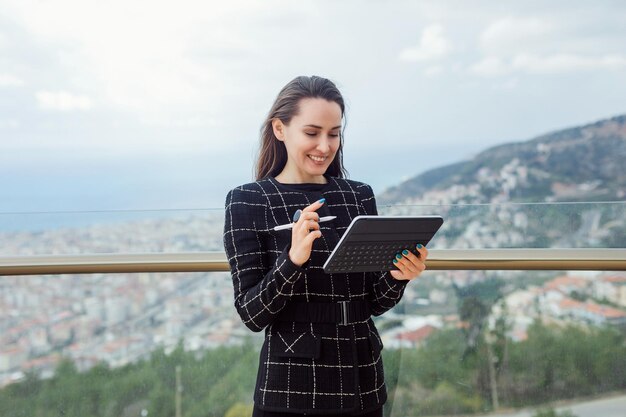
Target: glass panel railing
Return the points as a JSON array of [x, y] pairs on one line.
[[549, 225], [479, 341], [459, 341], [532, 225], [475, 342], [124, 231], [100, 345]]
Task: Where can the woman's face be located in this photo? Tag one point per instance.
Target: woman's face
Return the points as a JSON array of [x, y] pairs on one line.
[[311, 138]]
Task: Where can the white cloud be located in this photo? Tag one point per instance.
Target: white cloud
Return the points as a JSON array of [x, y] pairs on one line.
[[62, 101], [559, 63], [180, 122], [433, 45], [507, 85], [540, 45], [511, 35], [490, 66], [9, 80], [9, 124], [433, 70], [157, 66], [549, 64], [144, 56]]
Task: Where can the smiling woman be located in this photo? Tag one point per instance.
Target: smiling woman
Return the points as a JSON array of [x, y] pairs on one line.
[[310, 147], [301, 125], [322, 351]]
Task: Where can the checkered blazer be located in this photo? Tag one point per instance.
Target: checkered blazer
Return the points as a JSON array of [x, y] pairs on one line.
[[304, 366]]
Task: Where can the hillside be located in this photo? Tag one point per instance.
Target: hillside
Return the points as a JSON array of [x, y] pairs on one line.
[[488, 201], [583, 163]]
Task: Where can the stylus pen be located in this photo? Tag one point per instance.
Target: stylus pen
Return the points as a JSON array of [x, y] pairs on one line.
[[290, 225]]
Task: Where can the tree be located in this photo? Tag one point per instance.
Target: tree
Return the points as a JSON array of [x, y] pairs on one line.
[[475, 303]]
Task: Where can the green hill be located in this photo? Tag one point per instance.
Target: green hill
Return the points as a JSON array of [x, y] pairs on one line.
[[574, 164]]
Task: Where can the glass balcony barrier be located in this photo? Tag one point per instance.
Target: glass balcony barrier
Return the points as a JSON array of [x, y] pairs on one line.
[[128, 313]]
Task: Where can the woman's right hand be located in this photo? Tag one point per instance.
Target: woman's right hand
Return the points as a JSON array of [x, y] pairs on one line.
[[305, 230]]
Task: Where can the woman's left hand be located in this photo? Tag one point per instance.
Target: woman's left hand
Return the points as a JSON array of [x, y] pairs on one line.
[[409, 265]]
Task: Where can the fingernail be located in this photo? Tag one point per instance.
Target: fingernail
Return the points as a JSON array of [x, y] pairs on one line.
[[419, 246], [405, 252], [398, 256], [296, 216], [323, 200], [395, 261]]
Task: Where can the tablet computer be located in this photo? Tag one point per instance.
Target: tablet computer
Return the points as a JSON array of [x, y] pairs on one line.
[[371, 242]]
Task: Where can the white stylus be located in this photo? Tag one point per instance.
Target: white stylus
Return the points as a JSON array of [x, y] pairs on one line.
[[290, 225]]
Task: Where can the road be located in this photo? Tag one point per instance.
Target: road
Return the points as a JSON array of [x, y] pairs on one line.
[[605, 407]]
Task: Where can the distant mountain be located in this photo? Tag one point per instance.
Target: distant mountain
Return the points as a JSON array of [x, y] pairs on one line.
[[484, 200], [581, 163]]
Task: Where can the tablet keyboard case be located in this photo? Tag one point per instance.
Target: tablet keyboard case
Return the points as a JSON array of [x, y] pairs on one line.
[[371, 242]]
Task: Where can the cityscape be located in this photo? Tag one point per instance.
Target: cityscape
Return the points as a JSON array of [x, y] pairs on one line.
[[120, 319]]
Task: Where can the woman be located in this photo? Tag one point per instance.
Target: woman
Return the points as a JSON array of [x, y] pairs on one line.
[[322, 352]]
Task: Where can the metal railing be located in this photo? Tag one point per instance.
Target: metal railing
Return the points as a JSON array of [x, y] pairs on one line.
[[443, 259]]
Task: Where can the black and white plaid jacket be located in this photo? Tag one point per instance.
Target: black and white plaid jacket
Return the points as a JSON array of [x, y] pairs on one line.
[[304, 366]]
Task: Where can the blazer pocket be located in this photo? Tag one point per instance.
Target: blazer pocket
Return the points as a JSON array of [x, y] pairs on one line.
[[376, 343], [295, 345]]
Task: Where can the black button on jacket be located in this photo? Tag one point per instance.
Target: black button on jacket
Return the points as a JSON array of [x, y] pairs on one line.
[[306, 367]]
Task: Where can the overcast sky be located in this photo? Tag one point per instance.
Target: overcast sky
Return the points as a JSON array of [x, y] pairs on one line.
[[147, 104]]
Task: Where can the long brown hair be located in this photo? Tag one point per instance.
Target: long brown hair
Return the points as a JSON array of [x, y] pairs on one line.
[[273, 154]]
